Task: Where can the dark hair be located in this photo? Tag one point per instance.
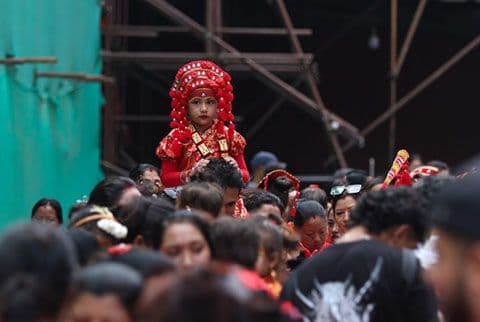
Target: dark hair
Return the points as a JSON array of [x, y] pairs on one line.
[[271, 236], [315, 193], [85, 243], [280, 187], [144, 217], [236, 241], [137, 172], [214, 297], [52, 203], [184, 216], [429, 187], [90, 226], [380, 210], [155, 215], [371, 182], [440, 165], [204, 196], [76, 207], [258, 198], [222, 173], [307, 209], [109, 278], [36, 264], [108, 192], [146, 262]]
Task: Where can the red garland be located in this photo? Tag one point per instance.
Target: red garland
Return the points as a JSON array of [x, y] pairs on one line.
[[200, 74]]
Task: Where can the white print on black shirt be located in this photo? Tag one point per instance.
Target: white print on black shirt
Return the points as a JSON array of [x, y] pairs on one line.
[[340, 301]]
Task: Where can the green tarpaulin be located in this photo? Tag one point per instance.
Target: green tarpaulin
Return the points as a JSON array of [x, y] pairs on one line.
[[49, 128]]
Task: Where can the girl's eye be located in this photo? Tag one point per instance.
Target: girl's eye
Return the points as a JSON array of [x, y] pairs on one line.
[[197, 248], [211, 102]]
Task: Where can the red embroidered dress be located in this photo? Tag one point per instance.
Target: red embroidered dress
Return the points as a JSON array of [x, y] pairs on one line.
[[183, 147], [175, 169]]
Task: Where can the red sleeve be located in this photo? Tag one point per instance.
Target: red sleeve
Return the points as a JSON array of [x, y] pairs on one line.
[[243, 167], [170, 175]]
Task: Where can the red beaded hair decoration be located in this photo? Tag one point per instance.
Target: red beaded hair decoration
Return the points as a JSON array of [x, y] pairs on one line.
[[272, 175], [201, 74]]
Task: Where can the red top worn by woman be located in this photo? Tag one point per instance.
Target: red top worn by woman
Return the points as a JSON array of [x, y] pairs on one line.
[[202, 123]]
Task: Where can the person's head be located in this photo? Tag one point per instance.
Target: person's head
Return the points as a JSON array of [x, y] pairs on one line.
[[282, 184], [311, 223], [259, 202], [85, 243], [415, 161], [456, 274], [269, 257], [201, 93], [373, 184], [263, 160], [228, 177], [185, 238], [47, 211], [212, 294], [143, 218], [204, 198], [441, 166], [333, 230], [394, 216], [77, 206], [202, 109], [147, 262], [352, 184], [236, 241], [342, 206], [429, 187], [36, 264], [147, 178], [113, 192], [103, 292], [315, 193], [101, 223]]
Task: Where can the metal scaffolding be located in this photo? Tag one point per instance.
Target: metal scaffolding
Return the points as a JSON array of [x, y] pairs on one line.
[[263, 65]]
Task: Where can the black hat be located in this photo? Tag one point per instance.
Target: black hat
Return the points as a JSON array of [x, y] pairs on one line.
[[457, 208]]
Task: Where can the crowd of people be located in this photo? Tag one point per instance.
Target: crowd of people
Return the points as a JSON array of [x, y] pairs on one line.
[[205, 239]]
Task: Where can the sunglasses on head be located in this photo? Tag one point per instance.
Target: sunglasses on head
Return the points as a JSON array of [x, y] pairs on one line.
[[350, 189]]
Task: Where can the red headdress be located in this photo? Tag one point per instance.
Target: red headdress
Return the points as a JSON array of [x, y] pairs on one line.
[[206, 75], [272, 175], [424, 171]]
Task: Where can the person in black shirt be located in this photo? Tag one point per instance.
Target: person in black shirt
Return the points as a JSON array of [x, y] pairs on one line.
[[363, 279]]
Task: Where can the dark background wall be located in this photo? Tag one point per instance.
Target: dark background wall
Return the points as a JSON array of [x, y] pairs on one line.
[[441, 123]]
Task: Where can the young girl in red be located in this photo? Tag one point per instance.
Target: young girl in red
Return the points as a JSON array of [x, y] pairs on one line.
[[201, 107]]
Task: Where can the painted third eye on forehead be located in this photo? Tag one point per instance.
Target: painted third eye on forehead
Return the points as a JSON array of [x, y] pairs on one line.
[[201, 92]]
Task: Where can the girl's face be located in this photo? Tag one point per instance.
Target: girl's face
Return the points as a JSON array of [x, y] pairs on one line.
[[185, 245], [88, 307], [313, 233], [202, 111], [342, 212]]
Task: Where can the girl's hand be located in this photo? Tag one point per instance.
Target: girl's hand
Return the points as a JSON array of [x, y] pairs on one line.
[[199, 166], [232, 161]]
